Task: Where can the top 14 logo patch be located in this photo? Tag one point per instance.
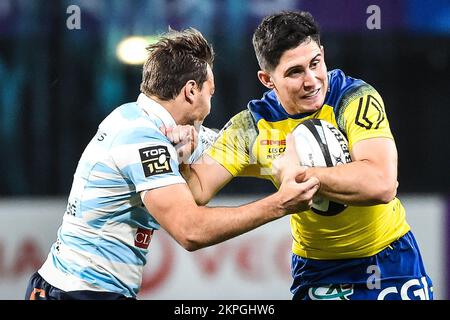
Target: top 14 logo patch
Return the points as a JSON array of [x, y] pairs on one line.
[[155, 160]]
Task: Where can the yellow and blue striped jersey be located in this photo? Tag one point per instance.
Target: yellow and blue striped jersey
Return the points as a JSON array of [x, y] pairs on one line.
[[252, 139]]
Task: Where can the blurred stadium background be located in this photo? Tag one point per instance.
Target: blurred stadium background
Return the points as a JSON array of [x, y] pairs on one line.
[[58, 80]]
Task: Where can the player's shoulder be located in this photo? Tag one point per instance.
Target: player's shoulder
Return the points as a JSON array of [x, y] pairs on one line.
[[241, 121], [128, 125], [344, 89], [240, 129]]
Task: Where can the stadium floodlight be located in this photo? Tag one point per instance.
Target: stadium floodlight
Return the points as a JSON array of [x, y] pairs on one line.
[[132, 50]]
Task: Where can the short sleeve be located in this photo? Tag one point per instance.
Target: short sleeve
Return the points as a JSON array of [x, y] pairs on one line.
[[232, 147], [206, 138], [146, 158], [362, 116]]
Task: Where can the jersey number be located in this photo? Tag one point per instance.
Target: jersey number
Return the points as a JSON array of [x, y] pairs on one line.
[[362, 119]]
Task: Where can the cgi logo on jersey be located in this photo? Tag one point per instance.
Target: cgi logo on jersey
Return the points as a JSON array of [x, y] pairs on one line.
[[155, 160]]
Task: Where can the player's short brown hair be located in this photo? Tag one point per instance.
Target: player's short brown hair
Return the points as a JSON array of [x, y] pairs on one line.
[[178, 56], [280, 32]]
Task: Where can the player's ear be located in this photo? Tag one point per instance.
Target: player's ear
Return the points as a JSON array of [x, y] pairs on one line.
[[265, 79], [322, 50], [189, 90]]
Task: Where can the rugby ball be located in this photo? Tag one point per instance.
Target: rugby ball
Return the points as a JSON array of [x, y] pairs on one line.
[[320, 144]]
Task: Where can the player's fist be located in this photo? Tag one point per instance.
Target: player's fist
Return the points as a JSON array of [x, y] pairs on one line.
[[184, 138]]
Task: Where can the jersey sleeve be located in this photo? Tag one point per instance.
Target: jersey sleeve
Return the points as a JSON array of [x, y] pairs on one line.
[[362, 115], [206, 138], [146, 159], [232, 147]]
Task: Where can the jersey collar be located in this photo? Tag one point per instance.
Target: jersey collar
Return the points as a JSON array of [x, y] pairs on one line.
[[151, 107]]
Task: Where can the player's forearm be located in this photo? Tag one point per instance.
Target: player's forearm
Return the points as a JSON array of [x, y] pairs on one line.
[[357, 183], [194, 183], [209, 226]]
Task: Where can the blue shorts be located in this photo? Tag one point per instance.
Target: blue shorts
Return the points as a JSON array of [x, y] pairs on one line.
[[395, 273], [39, 289]]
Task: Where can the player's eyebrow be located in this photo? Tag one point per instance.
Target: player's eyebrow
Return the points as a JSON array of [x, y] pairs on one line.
[[315, 57], [300, 67]]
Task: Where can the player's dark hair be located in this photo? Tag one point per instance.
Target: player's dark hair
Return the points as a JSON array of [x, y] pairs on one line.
[[178, 56], [280, 32]]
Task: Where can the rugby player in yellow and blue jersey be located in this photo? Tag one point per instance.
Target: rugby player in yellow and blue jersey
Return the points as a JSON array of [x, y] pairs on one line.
[[366, 250]]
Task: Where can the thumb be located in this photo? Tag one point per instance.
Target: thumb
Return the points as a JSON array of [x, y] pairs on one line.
[[291, 152]]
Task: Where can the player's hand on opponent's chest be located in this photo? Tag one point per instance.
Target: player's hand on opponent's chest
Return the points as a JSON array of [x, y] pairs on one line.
[[184, 138], [296, 192]]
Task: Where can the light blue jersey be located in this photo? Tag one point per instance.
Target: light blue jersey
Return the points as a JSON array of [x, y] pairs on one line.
[[106, 231]]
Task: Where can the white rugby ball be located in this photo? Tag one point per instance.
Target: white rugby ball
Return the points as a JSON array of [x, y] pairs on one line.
[[320, 144]]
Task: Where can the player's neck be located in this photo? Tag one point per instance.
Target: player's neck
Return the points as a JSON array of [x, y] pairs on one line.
[[175, 107]]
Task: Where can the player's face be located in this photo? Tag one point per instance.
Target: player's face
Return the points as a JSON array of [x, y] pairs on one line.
[[203, 100], [300, 79]]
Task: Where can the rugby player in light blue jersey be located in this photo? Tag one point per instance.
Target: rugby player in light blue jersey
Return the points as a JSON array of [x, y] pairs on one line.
[[127, 183]]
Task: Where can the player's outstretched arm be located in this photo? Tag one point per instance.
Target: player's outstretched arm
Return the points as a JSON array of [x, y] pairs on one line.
[[370, 179], [206, 176], [195, 227]]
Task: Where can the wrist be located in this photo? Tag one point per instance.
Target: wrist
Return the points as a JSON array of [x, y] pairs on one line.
[[277, 205], [313, 172], [281, 204]]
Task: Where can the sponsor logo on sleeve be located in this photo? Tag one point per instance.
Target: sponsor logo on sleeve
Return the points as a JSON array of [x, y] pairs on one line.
[[155, 160]]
